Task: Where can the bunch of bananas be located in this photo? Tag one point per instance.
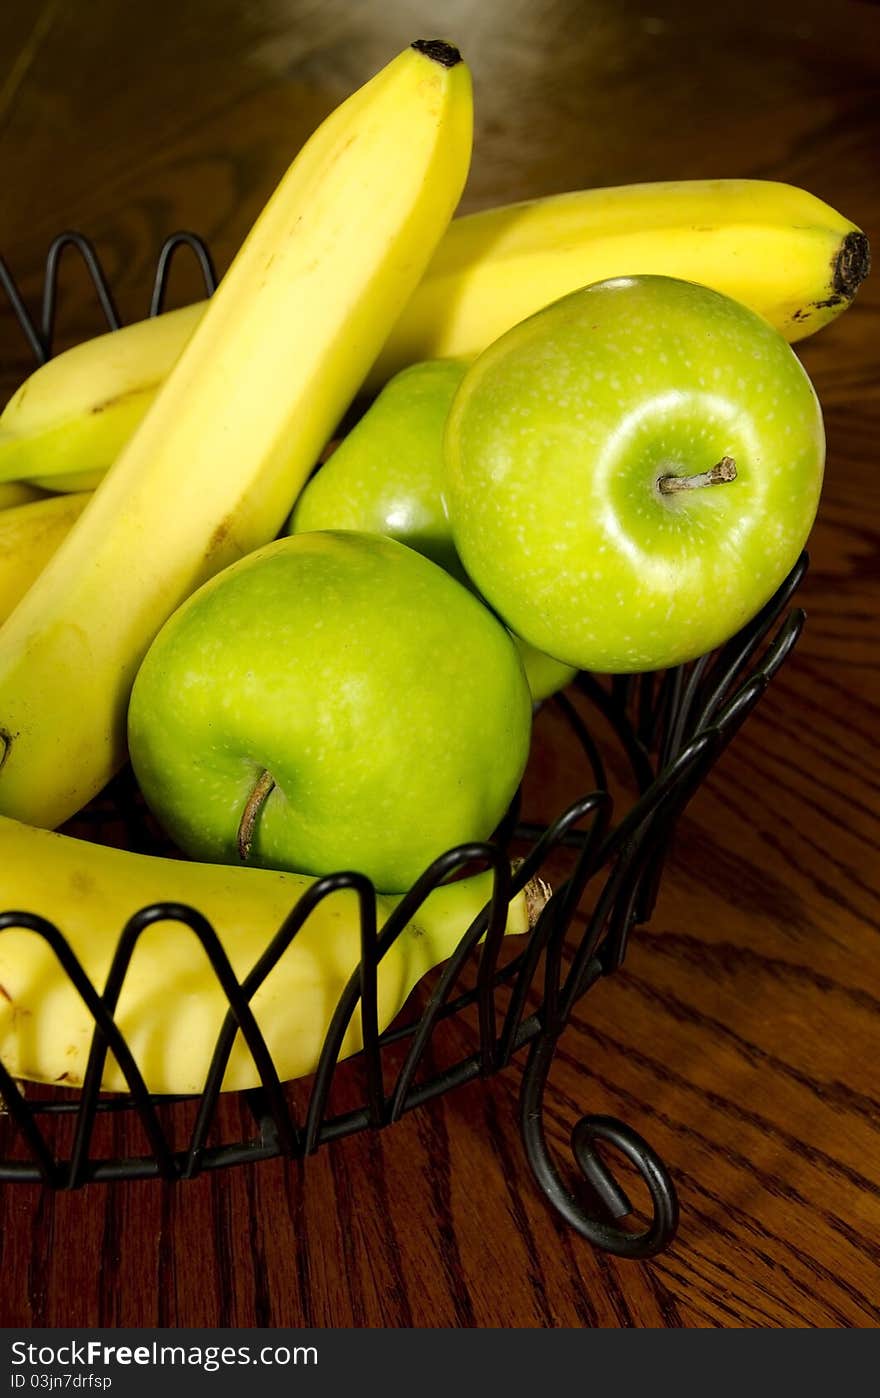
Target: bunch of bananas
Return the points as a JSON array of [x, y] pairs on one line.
[[211, 418]]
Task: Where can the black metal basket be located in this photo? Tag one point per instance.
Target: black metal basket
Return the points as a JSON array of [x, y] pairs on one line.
[[669, 727]]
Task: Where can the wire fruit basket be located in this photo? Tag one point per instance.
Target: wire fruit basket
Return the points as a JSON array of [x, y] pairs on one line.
[[667, 730]]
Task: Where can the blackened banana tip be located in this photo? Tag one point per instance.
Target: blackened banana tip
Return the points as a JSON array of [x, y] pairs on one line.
[[852, 264], [441, 52]]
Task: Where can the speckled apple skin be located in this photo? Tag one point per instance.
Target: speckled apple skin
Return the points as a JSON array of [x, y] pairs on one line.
[[386, 476], [389, 705], [556, 440]]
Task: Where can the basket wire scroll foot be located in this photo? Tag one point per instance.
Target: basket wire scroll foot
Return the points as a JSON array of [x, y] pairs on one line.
[[599, 1214]]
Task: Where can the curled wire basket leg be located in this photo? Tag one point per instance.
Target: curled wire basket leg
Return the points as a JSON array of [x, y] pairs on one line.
[[599, 1220]]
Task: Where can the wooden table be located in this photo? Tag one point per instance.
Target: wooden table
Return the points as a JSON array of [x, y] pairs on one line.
[[743, 1035]]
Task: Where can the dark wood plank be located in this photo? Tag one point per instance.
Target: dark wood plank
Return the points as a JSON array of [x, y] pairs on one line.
[[742, 1037]]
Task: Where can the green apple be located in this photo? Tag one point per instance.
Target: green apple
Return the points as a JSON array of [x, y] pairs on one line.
[[331, 701], [387, 477], [632, 472]]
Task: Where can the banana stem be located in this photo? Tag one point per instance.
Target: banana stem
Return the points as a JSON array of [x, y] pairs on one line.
[[537, 893], [725, 470], [262, 787]]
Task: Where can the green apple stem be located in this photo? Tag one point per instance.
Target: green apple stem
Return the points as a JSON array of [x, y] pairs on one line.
[[724, 471], [263, 785]]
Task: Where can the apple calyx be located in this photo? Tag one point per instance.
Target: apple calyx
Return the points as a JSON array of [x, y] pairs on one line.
[[262, 787], [724, 470]]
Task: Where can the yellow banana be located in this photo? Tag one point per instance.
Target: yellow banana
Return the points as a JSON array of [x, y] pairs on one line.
[[773, 246], [29, 535], [215, 466], [171, 1006], [777, 248], [80, 408]]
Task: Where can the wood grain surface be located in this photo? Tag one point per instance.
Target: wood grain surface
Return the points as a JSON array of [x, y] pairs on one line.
[[742, 1037]]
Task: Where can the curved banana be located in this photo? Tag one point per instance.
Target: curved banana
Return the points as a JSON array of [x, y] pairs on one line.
[[29, 535], [71, 418], [171, 1006], [213, 469], [773, 246]]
